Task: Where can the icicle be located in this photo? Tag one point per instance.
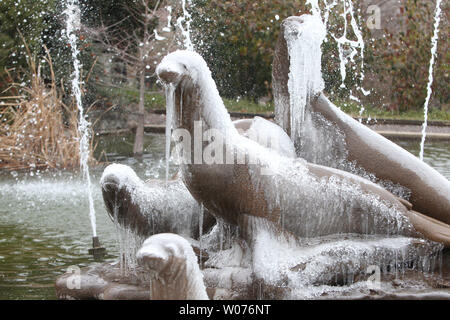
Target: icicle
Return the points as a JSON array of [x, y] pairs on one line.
[[151, 287], [221, 235], [170, 107], [305, 76], [128, 243], [200, 230], [434, 43], [180, 121]]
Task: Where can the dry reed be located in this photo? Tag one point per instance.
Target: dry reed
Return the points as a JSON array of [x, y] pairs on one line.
[[40, 131]]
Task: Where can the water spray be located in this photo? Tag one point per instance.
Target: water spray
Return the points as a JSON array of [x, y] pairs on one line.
[[73, 24], [434, 44]]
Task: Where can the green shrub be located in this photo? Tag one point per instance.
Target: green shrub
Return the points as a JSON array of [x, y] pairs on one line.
[[29, 18], [402, 58], [237, 39]]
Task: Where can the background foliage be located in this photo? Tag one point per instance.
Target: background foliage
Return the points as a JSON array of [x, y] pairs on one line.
[[28, 17], [237, 39], [402, 58]]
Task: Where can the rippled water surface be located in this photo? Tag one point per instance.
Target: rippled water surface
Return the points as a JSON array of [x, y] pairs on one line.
[[437, 153], [44, 222]]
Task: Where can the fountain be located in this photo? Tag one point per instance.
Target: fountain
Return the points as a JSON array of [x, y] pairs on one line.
[[72, 26], [434, 41], [287, 216], [306, 208]]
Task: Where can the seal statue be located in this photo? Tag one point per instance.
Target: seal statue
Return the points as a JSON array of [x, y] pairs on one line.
[[307, 200], [173, 265], [330, 137], [156, 206], [166, 268], [153, 206]]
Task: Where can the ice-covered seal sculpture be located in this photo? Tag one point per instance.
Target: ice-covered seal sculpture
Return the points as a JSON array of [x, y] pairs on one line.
[[325, 135], [173, 265], [302, 198]]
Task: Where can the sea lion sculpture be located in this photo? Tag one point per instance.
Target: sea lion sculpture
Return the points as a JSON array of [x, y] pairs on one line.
[[304, 199], [156, 206], [167, 269], [327, 136], [151, 207], [246, 194], [173, 266]]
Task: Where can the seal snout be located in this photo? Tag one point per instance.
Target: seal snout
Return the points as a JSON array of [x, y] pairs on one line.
[[296, 26], [169, 76], [170, 71], [161, 249], [152, 259], [180, 64], [110, 183], [118, 176], [293, 25]]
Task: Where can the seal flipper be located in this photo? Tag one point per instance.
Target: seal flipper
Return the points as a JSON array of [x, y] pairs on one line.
[[431, 228], [408, 205]]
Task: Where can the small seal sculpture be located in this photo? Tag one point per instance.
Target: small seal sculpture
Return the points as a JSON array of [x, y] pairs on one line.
[[167, 270], [325, 135], [175, 274], [151, 207]]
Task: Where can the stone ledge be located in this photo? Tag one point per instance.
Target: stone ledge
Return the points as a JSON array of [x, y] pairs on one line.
[[388, 134]]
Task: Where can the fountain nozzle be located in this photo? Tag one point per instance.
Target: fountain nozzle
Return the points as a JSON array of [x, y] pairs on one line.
[[97, 250]]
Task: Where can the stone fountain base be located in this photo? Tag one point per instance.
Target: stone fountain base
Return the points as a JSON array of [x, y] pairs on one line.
[[106, 281]]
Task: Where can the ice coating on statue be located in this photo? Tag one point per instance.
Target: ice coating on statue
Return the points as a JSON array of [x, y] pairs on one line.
[[183, 63], [305, 267], [269, 135], [304, 38], [296, 191], [149, 208], [329, 137]]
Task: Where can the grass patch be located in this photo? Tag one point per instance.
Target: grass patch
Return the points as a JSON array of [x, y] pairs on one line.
[[40, 130], [157, 100], [247, 106], [353, 109], [126, 96]]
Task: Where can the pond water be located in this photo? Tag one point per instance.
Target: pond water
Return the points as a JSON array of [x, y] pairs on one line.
[[44, 216]]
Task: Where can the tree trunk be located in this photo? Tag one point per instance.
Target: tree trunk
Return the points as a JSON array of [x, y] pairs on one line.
[[138, 148]]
